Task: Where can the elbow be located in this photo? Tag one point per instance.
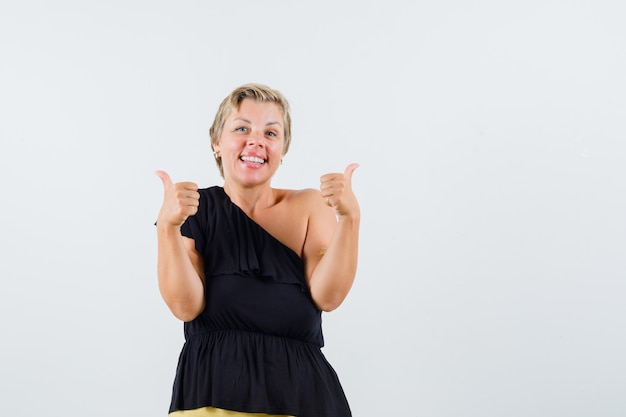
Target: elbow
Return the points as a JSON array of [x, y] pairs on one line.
[[185, 305], [185, 311], [184, 316], [329, 304], [327, 308], [329, 299]]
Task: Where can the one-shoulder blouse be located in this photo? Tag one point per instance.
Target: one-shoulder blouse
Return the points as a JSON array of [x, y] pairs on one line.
[[256, 347]]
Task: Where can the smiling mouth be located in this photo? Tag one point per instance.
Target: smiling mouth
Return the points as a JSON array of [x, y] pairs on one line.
[[252, 159]]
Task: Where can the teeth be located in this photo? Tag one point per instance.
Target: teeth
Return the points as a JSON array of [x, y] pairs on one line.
[[253, 159]]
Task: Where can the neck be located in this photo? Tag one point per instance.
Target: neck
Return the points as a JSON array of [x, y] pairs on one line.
[[250, 199]]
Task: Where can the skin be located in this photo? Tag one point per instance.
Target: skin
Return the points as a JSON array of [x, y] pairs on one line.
[[321, 226]]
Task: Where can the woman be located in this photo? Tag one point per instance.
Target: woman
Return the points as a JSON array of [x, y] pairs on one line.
[[249, 269]]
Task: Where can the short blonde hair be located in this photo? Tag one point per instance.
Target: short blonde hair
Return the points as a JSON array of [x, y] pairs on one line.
[[258, 92]]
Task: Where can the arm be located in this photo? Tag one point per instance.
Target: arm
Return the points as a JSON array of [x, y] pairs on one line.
[[180, 272], [331, 245], [179, 265]]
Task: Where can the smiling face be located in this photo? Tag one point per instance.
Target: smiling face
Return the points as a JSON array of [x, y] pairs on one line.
[[252, 142], [259, 93]]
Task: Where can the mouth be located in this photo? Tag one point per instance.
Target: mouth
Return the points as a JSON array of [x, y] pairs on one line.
[[252, 159]]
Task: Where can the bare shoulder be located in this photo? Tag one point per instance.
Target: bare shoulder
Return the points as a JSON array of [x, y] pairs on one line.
[[306, 199], [308, 203]]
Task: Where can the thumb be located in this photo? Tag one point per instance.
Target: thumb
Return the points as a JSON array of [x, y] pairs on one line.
[[349, 170], [165, 178]]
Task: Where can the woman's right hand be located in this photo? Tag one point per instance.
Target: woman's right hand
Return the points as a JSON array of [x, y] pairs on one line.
[[180, 200]]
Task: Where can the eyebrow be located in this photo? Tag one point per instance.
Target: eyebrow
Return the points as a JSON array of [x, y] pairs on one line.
[[248, 121]]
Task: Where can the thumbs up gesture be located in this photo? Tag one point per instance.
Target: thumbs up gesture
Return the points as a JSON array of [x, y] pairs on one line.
[[180, 200], [336, 190]]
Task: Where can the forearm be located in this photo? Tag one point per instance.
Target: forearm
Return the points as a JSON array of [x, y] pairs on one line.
[[334, 274], [179, 283]]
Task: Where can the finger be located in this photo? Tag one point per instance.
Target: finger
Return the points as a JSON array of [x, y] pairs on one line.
[[192, 186], [328, 189], [349, 171], [165, 178], [190, 201], [190, 210], [330, 180]]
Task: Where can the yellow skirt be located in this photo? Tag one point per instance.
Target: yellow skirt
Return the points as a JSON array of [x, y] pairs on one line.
[[218, 412]]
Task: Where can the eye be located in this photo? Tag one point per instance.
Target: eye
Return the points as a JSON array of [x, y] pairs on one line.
[[241, 129], [272, 133]]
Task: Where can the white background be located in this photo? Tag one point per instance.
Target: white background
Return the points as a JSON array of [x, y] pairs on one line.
[[491, 138]]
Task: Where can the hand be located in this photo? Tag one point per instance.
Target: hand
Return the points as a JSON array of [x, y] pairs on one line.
[[336, 190], [180, 201]]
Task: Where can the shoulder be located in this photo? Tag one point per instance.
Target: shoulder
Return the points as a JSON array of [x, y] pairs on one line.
[[212, 193], [306, 199], [210, 198], [309, 203], [304, 194], [211, 190]]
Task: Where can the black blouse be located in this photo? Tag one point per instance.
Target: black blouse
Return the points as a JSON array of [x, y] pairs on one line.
[[256, 347]]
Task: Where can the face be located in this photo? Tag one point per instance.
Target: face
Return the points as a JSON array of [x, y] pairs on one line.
[[252, 142]]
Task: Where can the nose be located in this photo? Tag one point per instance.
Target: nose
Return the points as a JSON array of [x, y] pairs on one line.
[[255, 138]]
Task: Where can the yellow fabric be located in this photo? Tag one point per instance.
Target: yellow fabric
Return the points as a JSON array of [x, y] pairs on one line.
[[218, 412]]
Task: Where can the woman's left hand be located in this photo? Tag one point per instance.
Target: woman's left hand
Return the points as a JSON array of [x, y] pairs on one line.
[[336, 191]]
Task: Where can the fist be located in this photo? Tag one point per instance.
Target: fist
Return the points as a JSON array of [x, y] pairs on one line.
[[180, 200], [336, 191]]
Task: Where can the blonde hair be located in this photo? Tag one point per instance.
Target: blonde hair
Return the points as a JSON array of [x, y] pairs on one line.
[[257, 92]]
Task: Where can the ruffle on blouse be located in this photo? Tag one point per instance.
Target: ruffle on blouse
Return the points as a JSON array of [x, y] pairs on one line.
[[242, 246]]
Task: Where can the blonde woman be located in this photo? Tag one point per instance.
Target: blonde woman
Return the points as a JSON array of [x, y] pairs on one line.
[[250, 268]]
